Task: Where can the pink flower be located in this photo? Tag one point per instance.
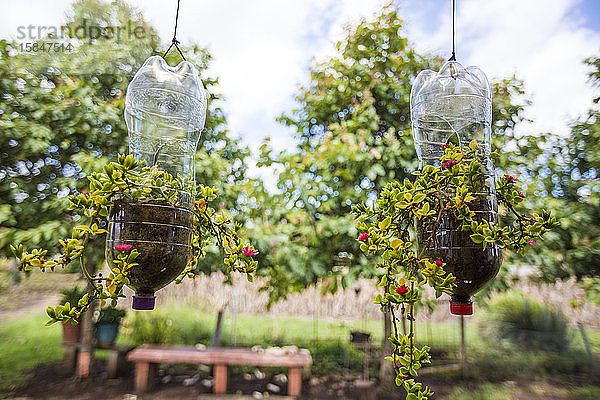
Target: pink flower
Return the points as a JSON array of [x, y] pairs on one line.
[[402, 289], [512, 178], [444, 146], [449, 163], [439, 263], [249, 251], [363, 236], [85, 194], [531, 241], [123, 247]]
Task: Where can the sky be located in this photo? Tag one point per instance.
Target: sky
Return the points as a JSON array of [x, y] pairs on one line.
[[263, 49]]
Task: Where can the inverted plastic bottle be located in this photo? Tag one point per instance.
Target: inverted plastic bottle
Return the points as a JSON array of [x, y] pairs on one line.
[[165, 110], [455, 105]]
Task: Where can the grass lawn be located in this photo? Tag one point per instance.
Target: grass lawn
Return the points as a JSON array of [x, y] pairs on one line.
[[25, 343]]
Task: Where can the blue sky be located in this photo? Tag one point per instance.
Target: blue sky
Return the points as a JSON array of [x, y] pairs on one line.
[[263, 48]]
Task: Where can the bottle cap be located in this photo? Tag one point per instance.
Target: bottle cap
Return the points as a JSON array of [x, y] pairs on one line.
[[143, 303], [461, 308]]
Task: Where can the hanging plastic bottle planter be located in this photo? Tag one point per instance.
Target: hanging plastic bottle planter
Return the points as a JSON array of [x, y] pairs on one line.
[[165, 110], [455, 105]]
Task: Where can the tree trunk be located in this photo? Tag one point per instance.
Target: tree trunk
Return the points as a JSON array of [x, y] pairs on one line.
[[84, 359], [386, 371]]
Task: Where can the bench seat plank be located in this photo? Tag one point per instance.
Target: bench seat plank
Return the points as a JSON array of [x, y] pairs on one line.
[[216, 355]]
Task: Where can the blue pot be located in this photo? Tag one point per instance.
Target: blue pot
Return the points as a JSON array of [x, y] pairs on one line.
[[106, 333]]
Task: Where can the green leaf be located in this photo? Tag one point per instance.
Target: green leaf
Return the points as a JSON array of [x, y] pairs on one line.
[[385, 223], [477, 238], [419, 198]]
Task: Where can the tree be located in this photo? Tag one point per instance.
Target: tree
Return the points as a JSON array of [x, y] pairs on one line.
[[353, 132], [62, 117], [565, 172]]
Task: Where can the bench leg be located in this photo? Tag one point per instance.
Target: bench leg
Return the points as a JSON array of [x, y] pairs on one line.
[[295, 381], [70, 358], [84, 361], [144, 376], [220, 374], [112, 363]]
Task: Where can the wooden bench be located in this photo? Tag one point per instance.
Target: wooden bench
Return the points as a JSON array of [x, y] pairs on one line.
[[115, 362], [148, 357]]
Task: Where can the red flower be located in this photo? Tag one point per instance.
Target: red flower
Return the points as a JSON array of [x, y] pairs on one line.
[[123, 247], [439, 263], [520, 194], [512, 178], [444, 146], [454, 281], [249, 251], [402, 289], [449, 163], [531, 241], [363, 236]]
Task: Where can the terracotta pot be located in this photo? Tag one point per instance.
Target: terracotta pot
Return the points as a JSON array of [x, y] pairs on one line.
[[162, 233], [71, 333]]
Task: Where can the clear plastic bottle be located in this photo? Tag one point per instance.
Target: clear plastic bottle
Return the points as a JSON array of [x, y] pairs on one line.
[[165, 110], [455, 105]]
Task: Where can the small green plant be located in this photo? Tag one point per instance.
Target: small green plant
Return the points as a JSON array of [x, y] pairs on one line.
[[111, 315], [523, 321], [130, 179], [73, 296]]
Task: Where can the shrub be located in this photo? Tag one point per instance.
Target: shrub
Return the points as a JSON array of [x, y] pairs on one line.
[[111, 315], [527, 323], [72, 295], [152, 328], [335, 356], [158, 328], [486, 391]]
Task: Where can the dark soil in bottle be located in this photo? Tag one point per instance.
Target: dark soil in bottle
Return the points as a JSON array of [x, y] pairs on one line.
[[160, 231], [468, 261]]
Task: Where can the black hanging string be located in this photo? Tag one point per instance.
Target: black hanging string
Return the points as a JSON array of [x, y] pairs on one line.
[[175, 42], [453, 57]]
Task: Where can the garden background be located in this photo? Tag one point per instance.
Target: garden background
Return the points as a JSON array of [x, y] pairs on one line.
[[61, 116]]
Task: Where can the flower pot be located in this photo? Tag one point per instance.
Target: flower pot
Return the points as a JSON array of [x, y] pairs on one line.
[[106, 333], [71, 332], [162, 233], [472, 266]]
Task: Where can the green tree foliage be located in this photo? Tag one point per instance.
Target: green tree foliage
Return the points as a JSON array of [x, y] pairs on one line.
[[61, 117], [566, 173], [353, 131]]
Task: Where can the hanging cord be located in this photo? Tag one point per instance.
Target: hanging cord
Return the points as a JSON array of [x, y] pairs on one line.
[[175, 42], [453, 57]]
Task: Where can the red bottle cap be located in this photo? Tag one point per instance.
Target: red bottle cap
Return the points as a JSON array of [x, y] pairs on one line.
[[461, 308]]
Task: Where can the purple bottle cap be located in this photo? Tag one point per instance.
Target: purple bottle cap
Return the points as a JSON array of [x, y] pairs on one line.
[[143, 303]]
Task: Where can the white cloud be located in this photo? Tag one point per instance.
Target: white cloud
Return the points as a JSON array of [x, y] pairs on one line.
[[540, 41], [262, 48]]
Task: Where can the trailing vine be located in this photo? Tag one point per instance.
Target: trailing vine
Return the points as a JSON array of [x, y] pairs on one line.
[[130, 179], [390, 228]]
